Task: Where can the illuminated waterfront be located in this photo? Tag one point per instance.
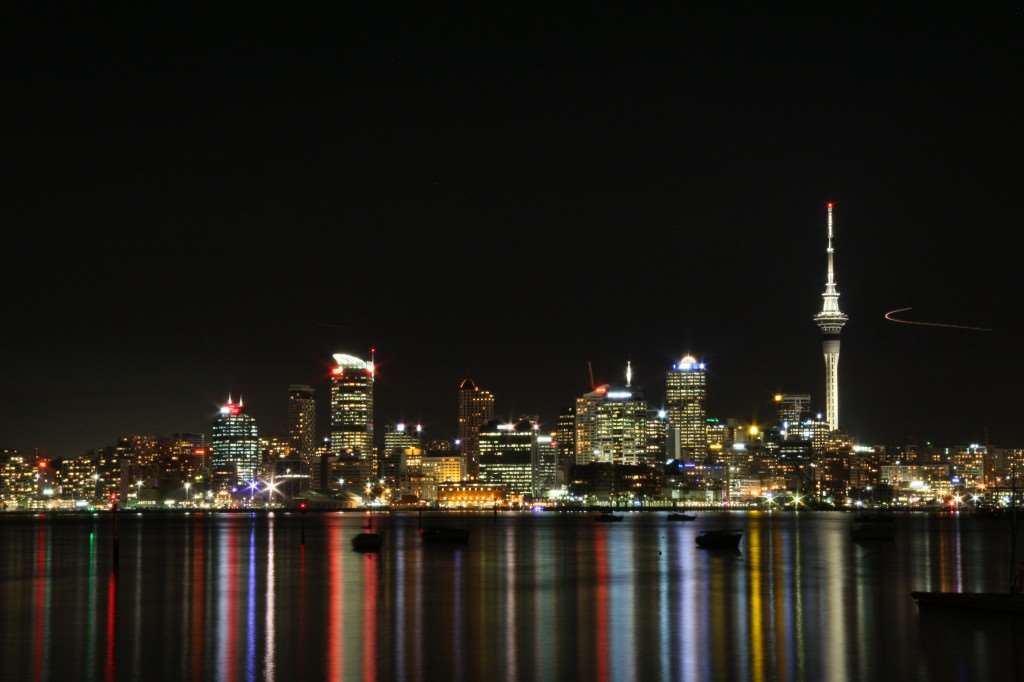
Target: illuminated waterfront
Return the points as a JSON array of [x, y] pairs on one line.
[[532, 596]]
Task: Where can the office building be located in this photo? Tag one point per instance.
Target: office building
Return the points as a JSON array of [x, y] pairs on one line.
[[302, 421], [506, 455], [476, 408], [352, 381], [685, 392], [235, 442]]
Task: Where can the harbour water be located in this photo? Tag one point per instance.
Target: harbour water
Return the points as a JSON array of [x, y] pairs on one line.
[[532, 596]]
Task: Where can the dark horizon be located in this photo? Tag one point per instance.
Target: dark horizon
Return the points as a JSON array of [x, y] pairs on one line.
[[188, 222]]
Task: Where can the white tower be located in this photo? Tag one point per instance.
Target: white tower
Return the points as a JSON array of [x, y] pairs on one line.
[[831, 320]]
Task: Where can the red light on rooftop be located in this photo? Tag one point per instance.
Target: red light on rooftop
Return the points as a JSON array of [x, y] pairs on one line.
[[42, 464], [337, 371], [829, 204]]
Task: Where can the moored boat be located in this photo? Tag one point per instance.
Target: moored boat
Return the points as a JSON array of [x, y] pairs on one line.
[[367, 542], [608, 517], [677, 516], [719, 539]]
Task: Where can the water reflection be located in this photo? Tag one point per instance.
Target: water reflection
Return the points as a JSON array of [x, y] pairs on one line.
[[543, 597]]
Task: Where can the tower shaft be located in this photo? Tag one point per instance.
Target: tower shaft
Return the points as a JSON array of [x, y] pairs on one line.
[[831, 321]]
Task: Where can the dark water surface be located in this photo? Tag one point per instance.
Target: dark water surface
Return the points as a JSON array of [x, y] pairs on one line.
[[532, 597]]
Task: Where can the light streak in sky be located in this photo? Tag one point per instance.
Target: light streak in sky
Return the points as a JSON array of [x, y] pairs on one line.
[[889, 316]]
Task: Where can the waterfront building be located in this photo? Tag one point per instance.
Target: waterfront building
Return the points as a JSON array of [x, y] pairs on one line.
[[544, 460], [235, 442], [685, 393], [302, 421], [476, 408], [506, 455], [352, 381]]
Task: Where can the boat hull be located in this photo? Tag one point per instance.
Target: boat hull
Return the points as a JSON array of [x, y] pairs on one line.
[[729, 541], [367, 542]]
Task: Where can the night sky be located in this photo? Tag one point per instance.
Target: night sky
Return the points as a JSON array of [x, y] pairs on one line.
[[509, 197]]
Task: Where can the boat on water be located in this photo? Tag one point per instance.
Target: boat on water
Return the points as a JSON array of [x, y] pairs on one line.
[[608, 517], [367, 542], [443, 535], [993, 602], [719, 539], [677, 516]]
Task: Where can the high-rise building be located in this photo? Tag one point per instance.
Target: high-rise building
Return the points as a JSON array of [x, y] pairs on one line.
[[619, 427], [402, 447], [476, 408], [793, 409], [586, 408], [657, 436], [685, 390], [352, 407], [611, 424], [565, 438], [831, 320], [302, 421], [506, 455], [545, 463], [235, 441]]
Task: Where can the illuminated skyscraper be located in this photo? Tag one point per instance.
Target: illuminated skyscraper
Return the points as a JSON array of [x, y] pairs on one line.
[[565, 438], [831, 320], [611, 423], [302, 421], [235, 441], [476, 408], [352, 407], [793, 410], [506, 455], [403, 449], [685, 390], [545, 463], [657, 436]]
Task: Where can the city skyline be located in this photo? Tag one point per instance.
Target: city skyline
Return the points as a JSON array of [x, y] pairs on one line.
[[510, 218]]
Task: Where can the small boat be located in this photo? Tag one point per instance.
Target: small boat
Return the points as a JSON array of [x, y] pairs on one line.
[[367, 542], [676, 516], [719, 539], [608, 517], [439, 534], [996, 602], [872, 531]]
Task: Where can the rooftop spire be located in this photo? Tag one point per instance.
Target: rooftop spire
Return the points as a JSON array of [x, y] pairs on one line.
[[831, 270], [629, 373], [830, 298]]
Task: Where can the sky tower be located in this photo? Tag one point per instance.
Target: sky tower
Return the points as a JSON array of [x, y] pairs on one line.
[[831, 320]]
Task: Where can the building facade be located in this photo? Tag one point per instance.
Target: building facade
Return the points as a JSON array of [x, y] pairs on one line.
[[235, 442], [476, 408], [506, 455], [352, 381], [685, 392], [302, 421]]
